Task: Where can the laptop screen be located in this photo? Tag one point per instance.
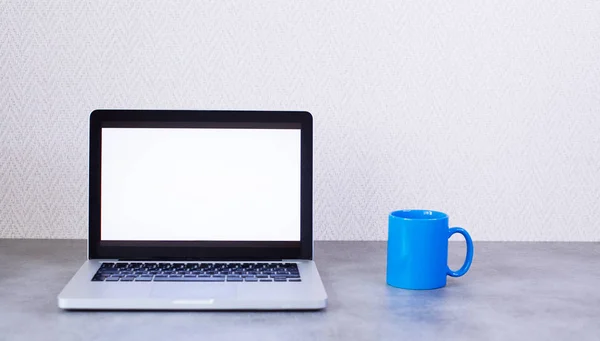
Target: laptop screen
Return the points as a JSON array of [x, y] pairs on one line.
[[200, 184]]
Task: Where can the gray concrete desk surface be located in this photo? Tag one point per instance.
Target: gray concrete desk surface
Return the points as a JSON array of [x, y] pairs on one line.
[[514, 291]]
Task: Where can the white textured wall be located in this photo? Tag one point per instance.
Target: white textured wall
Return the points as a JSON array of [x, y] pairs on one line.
[[488, 110]]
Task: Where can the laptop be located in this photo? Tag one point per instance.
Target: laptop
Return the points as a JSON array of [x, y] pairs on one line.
[[198, 210]]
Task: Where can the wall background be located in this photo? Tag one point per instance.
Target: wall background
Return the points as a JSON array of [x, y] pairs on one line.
[[488, 110]]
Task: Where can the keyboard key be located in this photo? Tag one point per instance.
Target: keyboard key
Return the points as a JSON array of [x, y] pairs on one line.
[[169, 279], [186, 279], [108, 271], [127, 279], [294, 280], [235, 279], [279, 280], [143, 279], [113, 279], [250, 279], [266, 280], [211, 279]]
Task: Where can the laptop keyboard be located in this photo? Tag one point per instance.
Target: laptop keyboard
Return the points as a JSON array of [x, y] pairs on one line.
[[197, 272]]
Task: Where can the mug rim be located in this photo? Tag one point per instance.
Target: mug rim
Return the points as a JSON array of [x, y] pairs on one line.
[[422, 215]]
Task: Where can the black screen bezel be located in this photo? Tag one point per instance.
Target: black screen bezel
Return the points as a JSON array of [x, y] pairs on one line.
[[199, 250]]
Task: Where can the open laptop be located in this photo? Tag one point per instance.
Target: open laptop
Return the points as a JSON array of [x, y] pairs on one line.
[[199, 210]]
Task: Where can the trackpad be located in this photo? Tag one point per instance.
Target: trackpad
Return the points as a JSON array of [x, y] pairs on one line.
[[193, 290]]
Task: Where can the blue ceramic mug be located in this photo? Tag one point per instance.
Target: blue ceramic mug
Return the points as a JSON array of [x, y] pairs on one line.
[[417, 254]]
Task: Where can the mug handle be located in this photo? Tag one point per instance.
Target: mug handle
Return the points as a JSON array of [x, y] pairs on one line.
[[463, 270]]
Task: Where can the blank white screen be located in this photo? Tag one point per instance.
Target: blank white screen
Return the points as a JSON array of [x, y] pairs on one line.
[[200, 184]]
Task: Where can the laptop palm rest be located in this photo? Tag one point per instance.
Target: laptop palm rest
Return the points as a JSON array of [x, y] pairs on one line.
[[193, 291]]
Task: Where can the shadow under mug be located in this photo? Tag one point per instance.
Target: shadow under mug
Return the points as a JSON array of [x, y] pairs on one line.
[[417, 249]]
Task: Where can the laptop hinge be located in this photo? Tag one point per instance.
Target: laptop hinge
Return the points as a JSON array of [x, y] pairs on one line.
[[295, 260]]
